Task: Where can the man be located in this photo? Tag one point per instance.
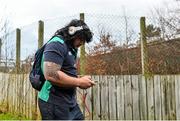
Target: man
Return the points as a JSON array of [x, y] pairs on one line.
[[57, 99]]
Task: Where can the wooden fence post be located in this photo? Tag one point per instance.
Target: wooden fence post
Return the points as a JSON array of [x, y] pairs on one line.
[[82, 54], [40, 44], [40, 34], [18, 49], [145, 71], [82, 61], [144, 56]]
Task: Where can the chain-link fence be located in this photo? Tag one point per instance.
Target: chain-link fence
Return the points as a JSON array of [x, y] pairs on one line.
[[163, 45], [115, 48]]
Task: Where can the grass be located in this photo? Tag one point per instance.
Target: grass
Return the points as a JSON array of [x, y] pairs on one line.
[[8, 116]]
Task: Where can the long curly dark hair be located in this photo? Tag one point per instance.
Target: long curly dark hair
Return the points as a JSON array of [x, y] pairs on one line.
[[84, 34]]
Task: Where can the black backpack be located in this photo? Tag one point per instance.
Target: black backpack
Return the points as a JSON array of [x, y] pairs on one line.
[[36, 75]]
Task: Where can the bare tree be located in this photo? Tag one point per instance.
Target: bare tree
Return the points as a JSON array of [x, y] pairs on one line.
[[129, 32], [5, 27], [168, 18]]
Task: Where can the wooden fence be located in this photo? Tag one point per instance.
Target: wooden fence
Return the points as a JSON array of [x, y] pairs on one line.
[[114, 97]]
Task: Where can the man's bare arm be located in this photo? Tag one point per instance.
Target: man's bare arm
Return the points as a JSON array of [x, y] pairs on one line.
[[51, 69], [52, 73]]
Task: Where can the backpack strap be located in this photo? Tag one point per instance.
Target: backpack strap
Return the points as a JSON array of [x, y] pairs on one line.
[[53, 39], [56, 39]]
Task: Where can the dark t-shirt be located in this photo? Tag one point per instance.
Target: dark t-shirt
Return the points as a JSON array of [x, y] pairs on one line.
[[59, 52]]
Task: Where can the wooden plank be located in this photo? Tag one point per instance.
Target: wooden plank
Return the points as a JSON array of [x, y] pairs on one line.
[[135, 97], [88, 102], [143, 100], [13, 97], [112, 97], [34, 103], [16, 93], [150, 98], [9, 95], [21, 93], [172, 97], [12, 92], [177, 90], [38, 111], [34, 110], [28, 100], [104, 98], [30, 91], [27, 97], [168, 100], [128, 97], [96, 99], [80, 94], [157, 97], [1, 88], [6, 90], [164, 97], [120, 98], [24, 98], [79, 97]]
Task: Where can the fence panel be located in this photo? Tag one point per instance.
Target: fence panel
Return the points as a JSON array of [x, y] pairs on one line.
[[113, 97]]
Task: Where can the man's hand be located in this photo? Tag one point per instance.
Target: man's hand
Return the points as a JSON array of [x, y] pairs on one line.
[[85, 82]]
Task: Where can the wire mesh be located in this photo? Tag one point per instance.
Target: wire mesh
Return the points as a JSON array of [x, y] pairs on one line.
[[115, 48], [163, 44], [7, 52]]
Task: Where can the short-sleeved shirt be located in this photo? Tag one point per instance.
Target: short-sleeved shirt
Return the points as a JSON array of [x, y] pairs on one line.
[[59, 52]]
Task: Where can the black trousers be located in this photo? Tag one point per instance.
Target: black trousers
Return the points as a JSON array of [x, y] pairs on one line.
[[55, 112]]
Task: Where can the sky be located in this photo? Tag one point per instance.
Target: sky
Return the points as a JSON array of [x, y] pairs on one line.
[[23, 12]]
